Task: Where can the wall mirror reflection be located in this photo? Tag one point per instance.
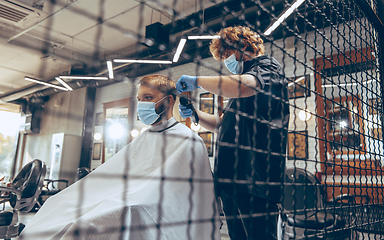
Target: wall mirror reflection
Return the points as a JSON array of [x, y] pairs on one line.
[[116, 134]]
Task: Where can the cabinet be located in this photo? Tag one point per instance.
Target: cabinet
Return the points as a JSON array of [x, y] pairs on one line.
[[65, 157]]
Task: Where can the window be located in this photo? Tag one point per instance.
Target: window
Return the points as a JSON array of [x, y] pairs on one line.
[[116, 134], [8, 140]]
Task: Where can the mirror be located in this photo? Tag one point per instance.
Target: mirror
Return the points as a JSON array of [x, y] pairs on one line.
[[116, 134]]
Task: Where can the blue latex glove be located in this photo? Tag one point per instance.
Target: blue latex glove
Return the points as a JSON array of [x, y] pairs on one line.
[[184, 111], [186, 84]]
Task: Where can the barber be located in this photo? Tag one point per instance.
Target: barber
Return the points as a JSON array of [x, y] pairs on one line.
[[252, 131]]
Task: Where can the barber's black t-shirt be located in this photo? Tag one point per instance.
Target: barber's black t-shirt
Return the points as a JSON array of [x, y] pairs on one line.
[[252, 137]]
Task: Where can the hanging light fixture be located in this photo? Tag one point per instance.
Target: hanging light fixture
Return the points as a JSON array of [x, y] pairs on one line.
[[83, 77], [110, 70], [64, 83], [203, 37], [44, 83], [283, 16], [179, 49], [142, 61]]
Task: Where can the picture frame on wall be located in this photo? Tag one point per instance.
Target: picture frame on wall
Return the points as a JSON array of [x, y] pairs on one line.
[[299, 87], [207, 102], [298, 145], [208, 140], [96, 151]]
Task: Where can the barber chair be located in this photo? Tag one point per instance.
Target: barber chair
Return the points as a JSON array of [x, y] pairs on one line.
[[81, 172], [50, 188], [306, 214], [21, 195]]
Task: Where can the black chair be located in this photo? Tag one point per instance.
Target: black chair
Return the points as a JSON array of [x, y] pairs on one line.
[[22, 196], [50, 188], [82, 172], [306, 214]]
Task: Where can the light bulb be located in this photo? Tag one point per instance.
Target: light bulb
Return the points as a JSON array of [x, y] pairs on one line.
[[97, 136]]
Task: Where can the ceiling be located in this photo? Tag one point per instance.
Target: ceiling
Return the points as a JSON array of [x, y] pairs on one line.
[[65, 37], [75, 35]]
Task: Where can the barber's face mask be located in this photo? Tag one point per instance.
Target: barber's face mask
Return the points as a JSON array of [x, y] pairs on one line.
[[234, 66], [147, 112]]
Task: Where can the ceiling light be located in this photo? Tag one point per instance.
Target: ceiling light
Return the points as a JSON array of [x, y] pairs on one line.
[[83, 77], [110, 69], [97, 136], [305, 115], [64, 83], [45, 83], [179, 49], [203, 37], [283, 17], [142, 61]]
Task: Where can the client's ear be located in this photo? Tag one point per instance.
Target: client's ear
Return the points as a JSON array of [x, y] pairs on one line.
[[170, 100]]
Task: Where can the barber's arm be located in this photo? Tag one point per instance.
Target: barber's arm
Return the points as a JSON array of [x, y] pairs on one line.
[[227, 86], [209, 121], [233, 86], [206, 120]]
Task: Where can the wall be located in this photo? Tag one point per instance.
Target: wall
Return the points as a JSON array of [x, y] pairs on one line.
[[63, 113]]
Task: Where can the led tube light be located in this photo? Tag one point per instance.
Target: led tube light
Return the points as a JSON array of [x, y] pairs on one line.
[[110, 69], [203, 37], [45, 83], [142, 61], [83, 77], [179, 49], [283, 17], [64, 83]]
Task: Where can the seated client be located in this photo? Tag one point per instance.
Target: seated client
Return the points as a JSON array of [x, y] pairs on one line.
[[157, 187]]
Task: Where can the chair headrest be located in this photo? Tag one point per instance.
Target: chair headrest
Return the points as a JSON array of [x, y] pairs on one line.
[[29, 180], [302, 190]]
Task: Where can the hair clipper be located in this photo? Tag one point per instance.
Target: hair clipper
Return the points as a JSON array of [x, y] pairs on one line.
[[185, 101]]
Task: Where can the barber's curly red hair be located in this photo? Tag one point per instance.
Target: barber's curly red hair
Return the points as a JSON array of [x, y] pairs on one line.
[[233, 38]]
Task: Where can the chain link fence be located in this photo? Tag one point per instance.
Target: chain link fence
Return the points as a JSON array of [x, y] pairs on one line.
[[329, 173]]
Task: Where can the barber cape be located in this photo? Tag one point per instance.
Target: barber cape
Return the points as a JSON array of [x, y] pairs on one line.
[[159, 186]]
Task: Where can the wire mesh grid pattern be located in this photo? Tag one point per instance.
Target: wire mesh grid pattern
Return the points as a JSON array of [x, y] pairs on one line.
[[318, 176]]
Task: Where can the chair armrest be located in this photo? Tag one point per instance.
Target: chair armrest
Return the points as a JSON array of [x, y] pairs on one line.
[[50, 181], [11, 190]]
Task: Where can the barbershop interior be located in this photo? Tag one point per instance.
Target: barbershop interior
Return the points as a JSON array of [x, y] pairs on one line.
[[195, 120]]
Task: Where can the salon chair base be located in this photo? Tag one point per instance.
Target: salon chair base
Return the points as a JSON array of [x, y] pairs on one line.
[[11, 231]]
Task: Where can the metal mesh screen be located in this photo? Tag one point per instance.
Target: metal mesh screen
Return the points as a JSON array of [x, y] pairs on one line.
[[327, 162]]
